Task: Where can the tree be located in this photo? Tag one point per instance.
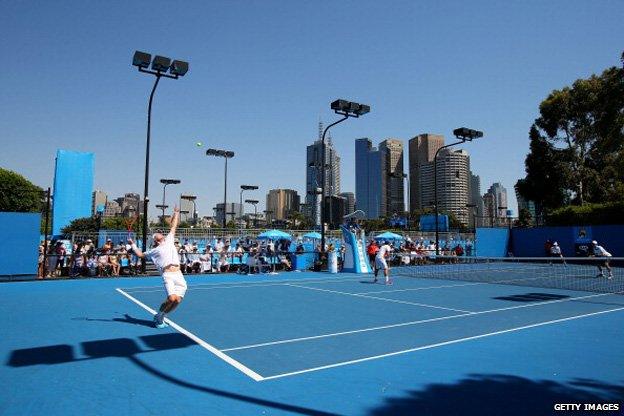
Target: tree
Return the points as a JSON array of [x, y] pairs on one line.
[[577, 143], [18, 194], [524, 218], [86, 224]]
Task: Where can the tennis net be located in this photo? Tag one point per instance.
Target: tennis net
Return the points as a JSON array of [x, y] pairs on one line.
[[579, 274]]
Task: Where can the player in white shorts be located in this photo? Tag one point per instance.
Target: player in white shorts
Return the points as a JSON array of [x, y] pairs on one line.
[[380, 261], [165, 256]]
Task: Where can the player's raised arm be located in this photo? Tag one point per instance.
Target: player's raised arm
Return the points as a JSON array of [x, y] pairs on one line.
[[137, 251], [175, 220]]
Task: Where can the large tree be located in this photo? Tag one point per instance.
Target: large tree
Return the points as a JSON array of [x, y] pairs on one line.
[[18, 194], [577, 143]]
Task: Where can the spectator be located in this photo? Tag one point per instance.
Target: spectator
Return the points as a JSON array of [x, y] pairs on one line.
[[103, 268], [78, 262], [113, 262]]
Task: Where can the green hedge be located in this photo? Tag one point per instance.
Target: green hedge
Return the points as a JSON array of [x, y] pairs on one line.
[[589, 214]]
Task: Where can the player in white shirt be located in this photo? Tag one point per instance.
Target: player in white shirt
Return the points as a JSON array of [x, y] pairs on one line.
[[555, 251], [599, 251], [165, 257], [381, 263]]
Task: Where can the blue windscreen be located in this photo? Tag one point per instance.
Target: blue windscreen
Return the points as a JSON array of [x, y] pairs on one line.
[[21, 232], [73, 187]]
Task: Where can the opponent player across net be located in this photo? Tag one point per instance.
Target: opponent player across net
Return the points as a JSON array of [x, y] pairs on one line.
[[165, 256]]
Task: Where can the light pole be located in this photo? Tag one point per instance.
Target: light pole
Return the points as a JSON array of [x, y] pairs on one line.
[[226, 154], [346, 109], [244, 188], [166, 182], [463, 135], [160, 66], [254, 202], [191, 198]]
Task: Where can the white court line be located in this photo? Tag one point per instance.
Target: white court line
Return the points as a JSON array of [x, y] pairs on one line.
[[443, 318], [253, 283], [440, 344], [421, 288], [378, 298], [245, 370]]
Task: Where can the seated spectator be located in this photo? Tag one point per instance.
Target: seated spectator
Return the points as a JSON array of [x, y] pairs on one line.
[[104, 268], [92, 265], [78, 263], [284, 261], [113, 262]]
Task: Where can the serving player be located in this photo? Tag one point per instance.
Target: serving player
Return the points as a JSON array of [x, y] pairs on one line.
[[381, 263], [165, 256]]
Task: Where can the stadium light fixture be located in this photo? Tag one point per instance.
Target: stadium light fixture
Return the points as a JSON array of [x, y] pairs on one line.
[[463, 134], [160, 66], [226, 154], [243, 189], [163, 206], [191, 198], [254, 202], [346, 109]]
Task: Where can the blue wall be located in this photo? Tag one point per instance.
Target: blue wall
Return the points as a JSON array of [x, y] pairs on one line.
[[529, 242], [73, 188], [492, 242], [19, 243]]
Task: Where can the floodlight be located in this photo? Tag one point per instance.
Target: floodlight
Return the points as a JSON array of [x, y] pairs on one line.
[[353, 107], [249, 187], [228, 154], [362, 109], [179, 68], [141, 59], [161, 63], [340, 105]]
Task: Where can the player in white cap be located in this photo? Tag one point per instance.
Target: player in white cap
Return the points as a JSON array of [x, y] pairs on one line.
[[165, 256], [599, 251]]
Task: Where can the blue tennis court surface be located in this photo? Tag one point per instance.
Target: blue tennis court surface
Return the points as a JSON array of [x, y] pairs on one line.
[[308, 343]]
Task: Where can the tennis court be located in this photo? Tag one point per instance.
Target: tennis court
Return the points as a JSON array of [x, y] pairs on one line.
[[438, 340]]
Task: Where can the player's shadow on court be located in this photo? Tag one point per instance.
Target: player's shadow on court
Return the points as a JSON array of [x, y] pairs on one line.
[[131, 350], [533, 297], [127, 319], [492, 394]]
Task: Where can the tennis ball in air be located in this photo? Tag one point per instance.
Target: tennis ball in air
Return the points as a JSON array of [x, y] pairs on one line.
[[199, 144]]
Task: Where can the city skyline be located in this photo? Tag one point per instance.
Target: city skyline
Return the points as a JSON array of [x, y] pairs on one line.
[[102, 108]]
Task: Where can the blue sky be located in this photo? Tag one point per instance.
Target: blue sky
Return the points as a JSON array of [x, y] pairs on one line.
[[262, 73]]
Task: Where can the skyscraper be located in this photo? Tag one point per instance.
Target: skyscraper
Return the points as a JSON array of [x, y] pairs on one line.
[[500, 202], [314, 161], [422, 149], [526, 204], [368, 179], [99, 199], [392, 176], [282, 202], [350, 201], [478, 211]]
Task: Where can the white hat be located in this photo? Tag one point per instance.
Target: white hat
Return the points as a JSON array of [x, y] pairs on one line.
[[555, 244], [594, 242]]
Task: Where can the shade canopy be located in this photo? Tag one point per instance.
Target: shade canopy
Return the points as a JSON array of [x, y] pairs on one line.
[[389, 236], [274, 235], [312, 234]]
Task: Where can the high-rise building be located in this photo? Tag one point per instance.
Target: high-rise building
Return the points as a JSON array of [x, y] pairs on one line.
[[477, 212], [500, 202], [489, 202], [73, 188], [187, 210], [350, 200], [234, 211], [99, 199], [392, 176], [129, 204], [314, 175], [282, 202], [368, 179], [336, 209], [111, 209], [422, 150]]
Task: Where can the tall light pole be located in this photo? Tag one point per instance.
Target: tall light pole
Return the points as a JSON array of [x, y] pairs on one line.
[[226, 154], [160, 66], [191, 198], [243, 189], [346, 109], [463, 135], [166, 182], [254, 202]]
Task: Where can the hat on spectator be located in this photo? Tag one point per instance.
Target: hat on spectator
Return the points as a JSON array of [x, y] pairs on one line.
[[594, 242]]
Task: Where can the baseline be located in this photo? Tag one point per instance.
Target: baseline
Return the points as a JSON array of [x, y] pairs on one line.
[[245, 370]]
